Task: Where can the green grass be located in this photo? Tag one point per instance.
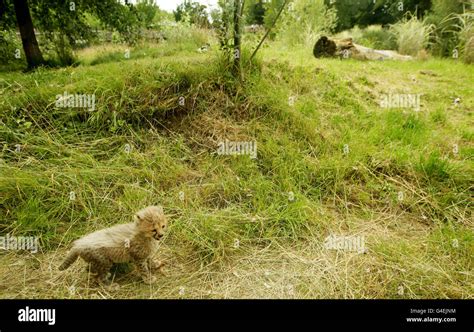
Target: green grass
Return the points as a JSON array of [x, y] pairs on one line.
[[234, 199]]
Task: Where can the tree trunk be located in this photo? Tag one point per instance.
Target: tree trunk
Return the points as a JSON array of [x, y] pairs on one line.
[[237, 33], [324, 47], [346, 48], [27, 32]]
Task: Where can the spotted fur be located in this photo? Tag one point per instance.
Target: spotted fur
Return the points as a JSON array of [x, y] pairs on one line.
[[132, 242]]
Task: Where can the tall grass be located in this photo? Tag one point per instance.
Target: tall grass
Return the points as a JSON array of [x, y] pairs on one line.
[[304, 22], [373, 36], [444, 39], [412, 35], [461, 27]]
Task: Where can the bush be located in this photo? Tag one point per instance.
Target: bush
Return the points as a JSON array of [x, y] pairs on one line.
[[444, 39], [379, 38], [373, 36], [9, 44], [463, 32], [411, 34], [186, 35], [468, 46], [305, 21]]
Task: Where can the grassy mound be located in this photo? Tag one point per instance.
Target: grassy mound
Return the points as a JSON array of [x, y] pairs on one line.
[[330, 161]]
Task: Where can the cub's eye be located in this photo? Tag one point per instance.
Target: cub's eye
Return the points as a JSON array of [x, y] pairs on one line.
[[163, 226]]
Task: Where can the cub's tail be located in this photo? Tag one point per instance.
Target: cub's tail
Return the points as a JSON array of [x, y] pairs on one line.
[[71, 258]]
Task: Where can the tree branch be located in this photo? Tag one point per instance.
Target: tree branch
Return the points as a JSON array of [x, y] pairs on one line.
[[268, 31]]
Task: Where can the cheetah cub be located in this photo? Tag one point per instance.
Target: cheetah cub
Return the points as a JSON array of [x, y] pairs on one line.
[[132, 242]]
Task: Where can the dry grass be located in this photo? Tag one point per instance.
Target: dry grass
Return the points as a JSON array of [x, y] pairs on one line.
[[262, 269]]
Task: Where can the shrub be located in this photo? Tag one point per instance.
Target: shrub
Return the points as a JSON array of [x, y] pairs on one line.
[[411, 34], [444, 39], [9, 44], [374, 36], [377, 37], [186, 34], [305, 21], [462, 28]]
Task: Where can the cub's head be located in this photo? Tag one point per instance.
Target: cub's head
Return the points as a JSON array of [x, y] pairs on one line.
[[152, 221]]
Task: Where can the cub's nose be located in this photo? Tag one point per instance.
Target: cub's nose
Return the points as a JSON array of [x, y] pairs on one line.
[[157, 236]]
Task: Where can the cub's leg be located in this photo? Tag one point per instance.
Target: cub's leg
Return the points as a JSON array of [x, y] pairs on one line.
[[154, 264], [99, 264], [100, 269], [145, 271]]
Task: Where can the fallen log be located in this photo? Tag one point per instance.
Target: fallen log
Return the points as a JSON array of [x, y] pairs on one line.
[[346, 48], [324, 47]]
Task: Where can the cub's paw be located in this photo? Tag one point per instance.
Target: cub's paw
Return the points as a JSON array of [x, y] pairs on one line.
[[149, 280], [156, 265], [113, 286]]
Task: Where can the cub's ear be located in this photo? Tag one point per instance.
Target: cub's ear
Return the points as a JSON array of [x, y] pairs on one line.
[[159, 209], [155, 209], [138, 217]]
